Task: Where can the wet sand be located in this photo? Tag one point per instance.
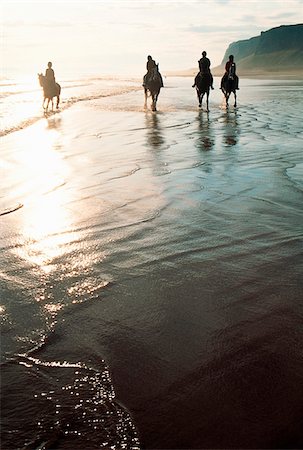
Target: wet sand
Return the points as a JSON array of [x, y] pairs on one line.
[[168, 245], [218, 71]]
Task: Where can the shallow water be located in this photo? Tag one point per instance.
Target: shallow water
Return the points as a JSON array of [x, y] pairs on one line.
[[151, 272]]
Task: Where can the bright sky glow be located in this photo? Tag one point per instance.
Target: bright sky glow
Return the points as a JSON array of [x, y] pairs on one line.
[[115, 36]]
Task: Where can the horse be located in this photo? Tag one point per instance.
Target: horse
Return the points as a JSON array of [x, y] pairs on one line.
[[153, 86], [229, 86], [49, 91], [203, 83]]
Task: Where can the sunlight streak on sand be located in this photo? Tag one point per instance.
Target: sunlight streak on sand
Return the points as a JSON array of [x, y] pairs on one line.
[[46, 221]]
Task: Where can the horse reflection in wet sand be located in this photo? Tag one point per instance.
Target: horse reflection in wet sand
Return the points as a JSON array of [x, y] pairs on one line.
[[50, 90], [152, 88], [203, 83]]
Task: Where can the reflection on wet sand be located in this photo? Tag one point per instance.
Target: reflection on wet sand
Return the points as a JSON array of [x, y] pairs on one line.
[[155, 137], [40, 182], [205, 139], [231, 130], [155, 140], [53, 122]]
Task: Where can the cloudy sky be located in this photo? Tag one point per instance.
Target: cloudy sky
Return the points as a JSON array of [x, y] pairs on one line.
[[115, 36]]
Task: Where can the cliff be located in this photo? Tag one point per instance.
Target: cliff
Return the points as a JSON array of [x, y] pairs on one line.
[[277, 50]]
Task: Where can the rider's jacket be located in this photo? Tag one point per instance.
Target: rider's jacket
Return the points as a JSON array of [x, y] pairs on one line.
[[150, 65], [228, 66], [50, 74], [204, 65]]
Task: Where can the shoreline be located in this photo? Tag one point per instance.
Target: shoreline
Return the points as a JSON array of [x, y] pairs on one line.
[[294, 75]]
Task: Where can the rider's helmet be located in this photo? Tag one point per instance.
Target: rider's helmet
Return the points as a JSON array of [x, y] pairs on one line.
[[204, 53]]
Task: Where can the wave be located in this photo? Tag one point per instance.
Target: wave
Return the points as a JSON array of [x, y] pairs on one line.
[[20, 100], [73, 405], [9, 93], [110, 92]]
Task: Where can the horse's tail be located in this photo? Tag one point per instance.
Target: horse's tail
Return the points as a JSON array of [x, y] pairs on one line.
[[58, 89]]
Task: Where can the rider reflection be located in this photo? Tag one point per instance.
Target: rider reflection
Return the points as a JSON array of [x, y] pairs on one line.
[[205, 139], [53, 122], [155, 137], [231, 130]]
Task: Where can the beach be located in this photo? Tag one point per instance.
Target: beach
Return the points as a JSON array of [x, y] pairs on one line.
[[151, 270]]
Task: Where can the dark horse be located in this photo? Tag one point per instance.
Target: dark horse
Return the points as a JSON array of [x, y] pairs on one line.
[[203, 83], [153, 86], [229, 86], [49, 91]]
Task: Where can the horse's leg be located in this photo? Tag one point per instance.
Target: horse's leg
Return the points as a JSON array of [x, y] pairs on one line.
[[227, 98], [145, 100], [198, 95], [154, 101], [58, 94], [207, 98], [235, 94]]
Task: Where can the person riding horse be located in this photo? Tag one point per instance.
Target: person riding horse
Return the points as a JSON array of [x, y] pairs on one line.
[[230, 71], [50, 87], [204, 70], [150, 66], [50, 79]]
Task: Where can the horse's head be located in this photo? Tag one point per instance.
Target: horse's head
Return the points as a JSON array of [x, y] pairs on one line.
[[41, 79], [155, 73], [232, 71]]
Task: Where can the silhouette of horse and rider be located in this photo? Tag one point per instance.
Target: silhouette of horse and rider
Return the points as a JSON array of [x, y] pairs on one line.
[[230, 80], [203, 80], [153, 82], [50, 87]]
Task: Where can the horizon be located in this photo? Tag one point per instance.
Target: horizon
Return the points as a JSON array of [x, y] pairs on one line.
[[104, 38]]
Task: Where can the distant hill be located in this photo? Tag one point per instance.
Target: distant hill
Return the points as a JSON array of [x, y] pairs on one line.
[[277, 50]]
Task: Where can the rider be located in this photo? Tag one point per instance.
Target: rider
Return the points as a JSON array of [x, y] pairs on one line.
[[50, 76], [230, 66], [150, 66], [204, 69]]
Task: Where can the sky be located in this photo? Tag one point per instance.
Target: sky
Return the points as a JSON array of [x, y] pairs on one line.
[[115, 36]]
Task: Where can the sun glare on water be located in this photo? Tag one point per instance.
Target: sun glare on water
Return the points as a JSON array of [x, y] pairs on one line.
[[45, 220]]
